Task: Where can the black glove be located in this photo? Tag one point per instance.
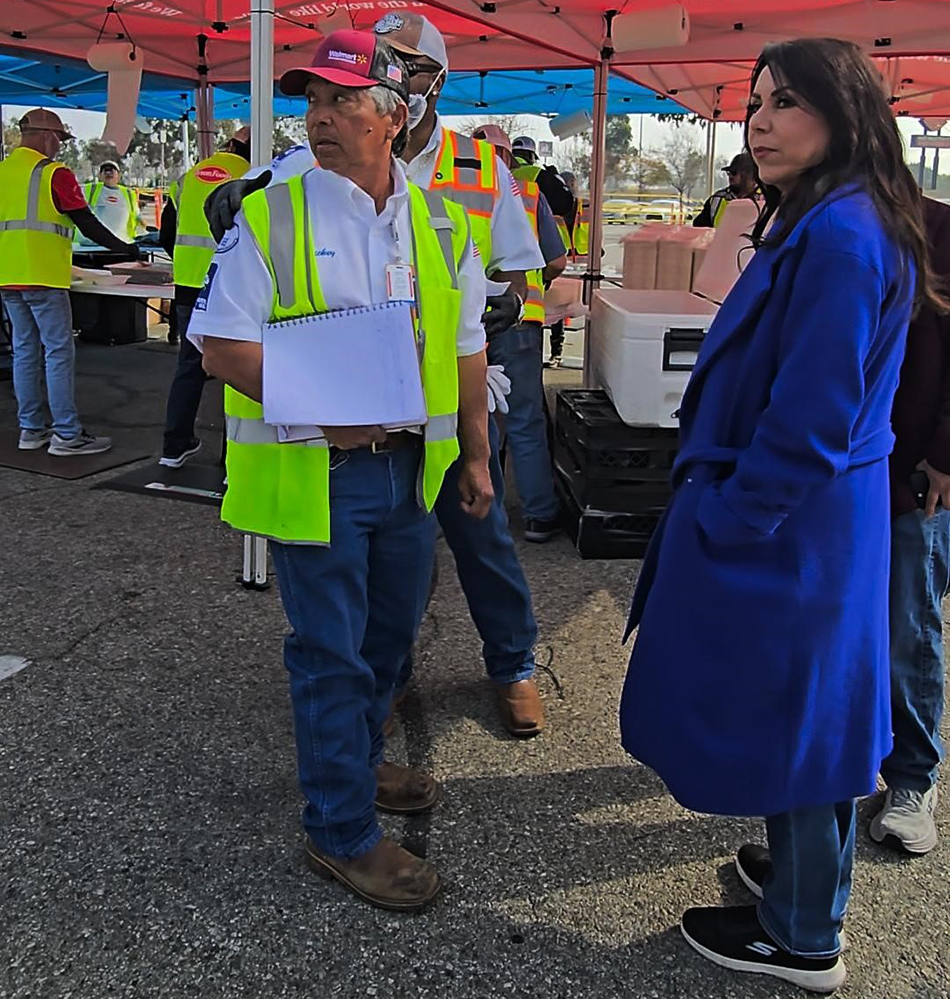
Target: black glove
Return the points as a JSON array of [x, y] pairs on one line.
[[504, 311], [224, 202], [134, 251]]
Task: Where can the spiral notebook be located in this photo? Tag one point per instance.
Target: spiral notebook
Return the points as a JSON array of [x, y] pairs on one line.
[[352, 367]]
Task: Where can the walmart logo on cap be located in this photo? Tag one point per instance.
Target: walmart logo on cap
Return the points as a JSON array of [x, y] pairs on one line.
[[391, 22], [348, 57]]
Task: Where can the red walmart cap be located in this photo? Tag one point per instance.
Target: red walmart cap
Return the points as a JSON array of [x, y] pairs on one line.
[[351, 59]]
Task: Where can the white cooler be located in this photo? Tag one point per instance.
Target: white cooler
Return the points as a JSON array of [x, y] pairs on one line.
[[643, 344]]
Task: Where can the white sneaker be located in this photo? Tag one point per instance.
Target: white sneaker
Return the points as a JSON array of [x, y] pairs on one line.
[[33, 440], [82, 444], [907, 820]]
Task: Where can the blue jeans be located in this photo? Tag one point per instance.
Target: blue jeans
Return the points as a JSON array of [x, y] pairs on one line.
[[520, 350], [43, 324], [184, 396], [806, 897], [491, 576], [354, 608], [920, 579]]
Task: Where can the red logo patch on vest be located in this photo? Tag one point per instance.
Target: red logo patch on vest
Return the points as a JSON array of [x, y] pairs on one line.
[[213, 174]]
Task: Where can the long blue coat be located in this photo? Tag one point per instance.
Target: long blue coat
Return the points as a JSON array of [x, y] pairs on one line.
[[759, 679]]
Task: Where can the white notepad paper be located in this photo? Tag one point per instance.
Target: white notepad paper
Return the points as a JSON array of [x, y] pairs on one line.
[[353, 367]]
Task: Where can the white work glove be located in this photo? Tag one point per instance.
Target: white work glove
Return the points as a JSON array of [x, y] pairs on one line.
[[499, 385]]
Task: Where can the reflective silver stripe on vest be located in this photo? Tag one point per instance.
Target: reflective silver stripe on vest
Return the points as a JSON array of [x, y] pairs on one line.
[[242, 430], [444, 230], [282, 238], [203, 242], [56, 230], [32, 221], [474, 201], [465, 148], [442, 428], [308, 257]]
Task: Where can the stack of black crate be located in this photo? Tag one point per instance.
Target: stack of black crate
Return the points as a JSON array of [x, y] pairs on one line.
[[613, 479]]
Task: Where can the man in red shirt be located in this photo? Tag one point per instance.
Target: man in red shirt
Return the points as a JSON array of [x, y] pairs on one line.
[[40, 202]]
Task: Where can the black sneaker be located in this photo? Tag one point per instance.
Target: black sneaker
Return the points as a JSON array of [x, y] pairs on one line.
[[733, 938], [754, 865], [540, 531], [178, 458]]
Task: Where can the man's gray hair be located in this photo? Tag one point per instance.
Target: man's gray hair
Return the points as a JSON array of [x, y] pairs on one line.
[[386, 100]]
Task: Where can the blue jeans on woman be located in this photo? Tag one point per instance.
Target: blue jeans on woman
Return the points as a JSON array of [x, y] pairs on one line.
[[354, 608], [42, 323], [920, 579], [806, 897]]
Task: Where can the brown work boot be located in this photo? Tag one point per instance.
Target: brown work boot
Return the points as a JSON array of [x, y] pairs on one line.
[[404, 791], [386, 876], [519, 704]]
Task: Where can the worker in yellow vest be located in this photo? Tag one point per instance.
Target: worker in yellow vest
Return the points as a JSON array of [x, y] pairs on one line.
[[567, 225], [354, 560], [520, 351], [40, 203], [467, 172], [186, 237], [116, 206], [742, 184]]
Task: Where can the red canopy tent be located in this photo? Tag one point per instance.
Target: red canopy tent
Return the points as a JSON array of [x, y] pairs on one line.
[[212, 41]]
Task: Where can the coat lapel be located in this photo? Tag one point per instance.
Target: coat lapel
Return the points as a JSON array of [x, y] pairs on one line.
[[745, 302]]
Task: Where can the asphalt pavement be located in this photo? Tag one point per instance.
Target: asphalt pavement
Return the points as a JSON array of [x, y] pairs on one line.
[[149, 814]]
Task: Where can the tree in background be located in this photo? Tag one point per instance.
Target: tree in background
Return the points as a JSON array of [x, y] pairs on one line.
[[684, 162], [620, 152], [648, 171]]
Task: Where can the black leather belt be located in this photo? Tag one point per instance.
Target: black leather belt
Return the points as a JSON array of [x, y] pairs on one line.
[[397, 440]]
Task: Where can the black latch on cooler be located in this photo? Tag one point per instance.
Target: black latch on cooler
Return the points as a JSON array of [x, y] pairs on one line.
[[680, 347]]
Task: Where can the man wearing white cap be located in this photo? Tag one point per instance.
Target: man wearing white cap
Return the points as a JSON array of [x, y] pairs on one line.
[[40, 203]]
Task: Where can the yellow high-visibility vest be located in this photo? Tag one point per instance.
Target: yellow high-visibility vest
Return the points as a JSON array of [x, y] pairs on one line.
[[194, 244], [93, 192], [465, 173], [35, 237], [534, 303], [282, 491]]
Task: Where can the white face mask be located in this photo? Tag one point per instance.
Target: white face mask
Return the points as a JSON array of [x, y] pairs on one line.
[[419, 102]]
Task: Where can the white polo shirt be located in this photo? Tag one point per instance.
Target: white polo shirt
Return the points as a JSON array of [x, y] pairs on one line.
[[514, 246], [353, 246]]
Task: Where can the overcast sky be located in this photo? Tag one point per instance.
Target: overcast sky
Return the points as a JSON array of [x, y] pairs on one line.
[[88, 124]]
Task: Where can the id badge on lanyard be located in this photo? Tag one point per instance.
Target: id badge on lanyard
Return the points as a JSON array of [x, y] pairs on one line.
[[401, 284]]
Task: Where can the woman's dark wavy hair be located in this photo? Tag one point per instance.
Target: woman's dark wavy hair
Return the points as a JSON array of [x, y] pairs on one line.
[[836, 80]]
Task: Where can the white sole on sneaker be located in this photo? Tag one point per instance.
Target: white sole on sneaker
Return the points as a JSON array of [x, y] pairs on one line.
[[814, 981], [32, 445], [918, 847], [180, 460], [747, 881], [72, 452]]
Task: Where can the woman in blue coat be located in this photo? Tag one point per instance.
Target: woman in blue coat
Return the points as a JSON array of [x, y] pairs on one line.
[[758, 684]]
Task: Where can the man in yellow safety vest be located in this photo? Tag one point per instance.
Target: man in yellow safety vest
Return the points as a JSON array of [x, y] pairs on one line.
[[186, 237], [742, 184], [40, 204], [467, 172], [115, 205], [347, 507], [520, 351]]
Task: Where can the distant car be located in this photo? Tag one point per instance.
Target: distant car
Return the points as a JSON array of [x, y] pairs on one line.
[[618, 211]]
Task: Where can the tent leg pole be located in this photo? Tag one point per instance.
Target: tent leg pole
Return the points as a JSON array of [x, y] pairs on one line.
[[262, 81], [596, 238]]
